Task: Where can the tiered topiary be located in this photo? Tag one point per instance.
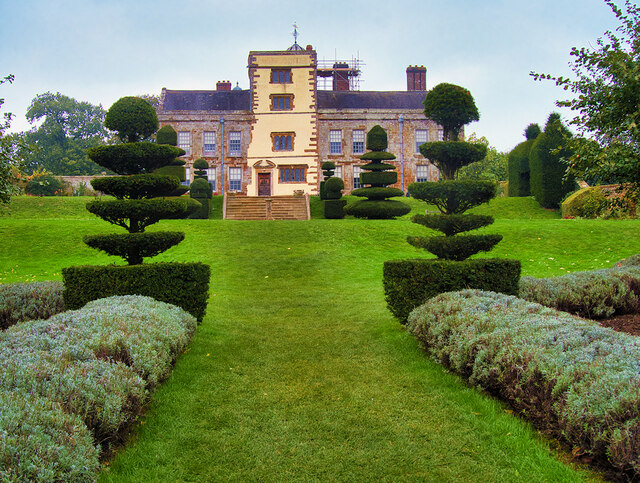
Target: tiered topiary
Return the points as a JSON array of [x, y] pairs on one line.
[[548, 183], [328, 168], [378, 176], [408, 283], [139, 203], [201, 190], [334, 204], [168, 135], [519, 172]]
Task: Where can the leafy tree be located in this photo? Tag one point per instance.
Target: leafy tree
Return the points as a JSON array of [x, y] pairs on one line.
[[492, 167], [66, 129], [452, 107], [133, 118], [606, 88], [9, 160]]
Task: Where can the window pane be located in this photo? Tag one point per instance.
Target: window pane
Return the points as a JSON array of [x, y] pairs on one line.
[[234, 143], [421, 138], [235, 179], [184, 141], [358, 141], [209, 142], [335, 141], [422, 173], [338, 172], [356, 176]]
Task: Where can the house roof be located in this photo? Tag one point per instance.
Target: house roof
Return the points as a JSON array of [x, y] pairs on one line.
[[234, 100], [239, 100]]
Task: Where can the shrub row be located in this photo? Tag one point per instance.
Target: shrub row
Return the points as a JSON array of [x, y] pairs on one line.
[[595, 294], [183, 284], [409, 283], [96, 365], [29, 301], [572, 377]]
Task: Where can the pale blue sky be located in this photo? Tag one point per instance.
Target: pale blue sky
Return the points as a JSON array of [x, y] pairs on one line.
[[101, 50]]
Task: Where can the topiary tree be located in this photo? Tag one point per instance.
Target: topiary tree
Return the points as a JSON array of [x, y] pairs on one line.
[[167, 135], [201, 190], [547, 178], [333, 205], [133, 119], [518, 160], [452, 198], [328, 168], [378, 176]]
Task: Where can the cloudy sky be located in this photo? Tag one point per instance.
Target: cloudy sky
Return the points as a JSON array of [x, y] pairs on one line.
[[101, 50]]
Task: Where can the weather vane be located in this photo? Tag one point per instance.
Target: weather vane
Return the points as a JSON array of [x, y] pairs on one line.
[[295, 33]]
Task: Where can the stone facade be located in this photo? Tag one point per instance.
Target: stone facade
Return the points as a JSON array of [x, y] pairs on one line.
[[284, 127]]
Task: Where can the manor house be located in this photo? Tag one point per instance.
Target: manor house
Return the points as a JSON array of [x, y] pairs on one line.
[[271, 139]]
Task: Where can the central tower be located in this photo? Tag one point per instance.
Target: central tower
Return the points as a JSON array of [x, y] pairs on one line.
[[283, 153]]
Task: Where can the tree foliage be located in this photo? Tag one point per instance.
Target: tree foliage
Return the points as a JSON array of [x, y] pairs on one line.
[[63, 130], [606, 94], [133, 118], [9, 160], [452, 107], [493, 166]]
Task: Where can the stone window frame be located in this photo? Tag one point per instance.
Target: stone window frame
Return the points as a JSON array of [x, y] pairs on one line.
[[338, 172], [358, 145], [422, 173], [212, 177], [295, 174], [235, 178], [284, 97], [276, 141], [281, 76], [357, 169], [422, 136], [235, 143], [335, 141], [209, 136], [184, 141]]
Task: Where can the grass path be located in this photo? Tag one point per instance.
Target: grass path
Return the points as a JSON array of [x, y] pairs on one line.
[[299, 372]]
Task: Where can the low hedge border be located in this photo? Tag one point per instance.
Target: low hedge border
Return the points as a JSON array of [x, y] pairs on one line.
[[97, 365], [409, 283], [183, 284], [569, 376], [594, 294], [29, 301]]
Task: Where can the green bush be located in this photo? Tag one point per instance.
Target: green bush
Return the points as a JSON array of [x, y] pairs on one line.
[[29, 301], [200, 164], [452, 196], [409, 283], [134, 158], [134, 247], [377, 209], [456, 248], [377, 193], [167, 135], [594, 294], [183, 284], [334, 209], [40, 442], [173, 170], [204, 211], [200, 188], [377, 139], [133, 118], [519, 169], [328, 168], [453, 224], [569, 376], [547, 171], [450, 156], [632, 261], [333, 188], [137, 186], [585, 203], [46, 185], [378, 178], [452, 107]]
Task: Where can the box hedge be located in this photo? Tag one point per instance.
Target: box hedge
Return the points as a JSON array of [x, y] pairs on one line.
[[185, 285], [409, 283], [571, 377]]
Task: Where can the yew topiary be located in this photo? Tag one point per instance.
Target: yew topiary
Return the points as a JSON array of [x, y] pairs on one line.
[[167, 135], [378, 176], [133, 118]]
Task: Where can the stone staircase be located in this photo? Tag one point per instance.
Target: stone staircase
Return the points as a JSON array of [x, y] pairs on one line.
[[266, 207]]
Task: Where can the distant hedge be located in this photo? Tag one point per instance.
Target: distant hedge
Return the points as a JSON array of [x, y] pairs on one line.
[[518, 167], [185, 285]]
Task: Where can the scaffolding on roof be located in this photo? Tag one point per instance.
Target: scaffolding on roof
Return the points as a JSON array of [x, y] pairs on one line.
[[347, 70]]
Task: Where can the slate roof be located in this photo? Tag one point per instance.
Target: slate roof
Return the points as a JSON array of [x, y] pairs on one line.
[[206, 100], [238, 100], [371, 99]]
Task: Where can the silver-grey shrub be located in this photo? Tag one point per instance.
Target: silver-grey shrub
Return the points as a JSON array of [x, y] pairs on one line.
[[40, 442], [29, 301], [594, 294], [570, 375]]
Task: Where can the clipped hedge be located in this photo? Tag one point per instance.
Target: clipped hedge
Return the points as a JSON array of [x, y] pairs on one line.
[[134, 158], [138, 186], [456, 248], [334, 209], [40, 442], [134, 247], [518, 167], [409, 283], [453, 197], [577, 380], [594, 294], [377, 209], [183, 284], [172, 170], [29, 301]]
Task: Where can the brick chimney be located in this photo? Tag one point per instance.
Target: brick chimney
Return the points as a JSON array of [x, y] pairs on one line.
[[416, 78], [223, 85], [340, 76]]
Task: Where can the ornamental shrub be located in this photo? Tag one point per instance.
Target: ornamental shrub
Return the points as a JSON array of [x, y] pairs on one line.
[[334, 187], [519, 163], [410, 283], [585, 203], [134, 158], [134, 247], [132, 118], [334, 209], [450, 156], [140, 186], [594, 294], [167, 135], [40, 442], [185, 285], [547, 170], [29, 301], [452, 107], [45, 185], [377, 175], [569, 376]]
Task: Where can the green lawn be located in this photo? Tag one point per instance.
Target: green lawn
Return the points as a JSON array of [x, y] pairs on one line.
[[298, 371]]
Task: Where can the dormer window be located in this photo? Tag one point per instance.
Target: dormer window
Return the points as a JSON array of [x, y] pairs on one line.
[[280, 76]]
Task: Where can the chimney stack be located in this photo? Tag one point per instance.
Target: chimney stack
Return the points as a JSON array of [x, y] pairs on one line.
[[340, 76], [223, 85], [416, 78]]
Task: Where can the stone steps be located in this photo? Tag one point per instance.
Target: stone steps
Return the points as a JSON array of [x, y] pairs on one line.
[[266, 208]]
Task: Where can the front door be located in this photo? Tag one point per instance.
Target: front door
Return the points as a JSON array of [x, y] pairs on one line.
[[264, 184]]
